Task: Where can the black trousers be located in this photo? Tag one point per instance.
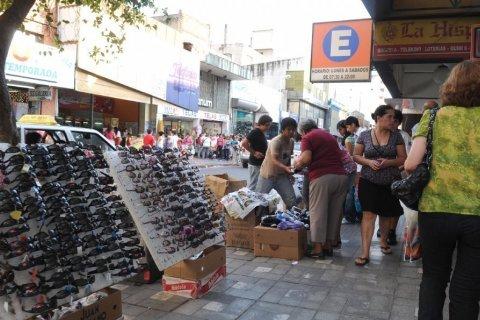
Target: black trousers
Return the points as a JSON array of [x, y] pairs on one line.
[[441, 234]]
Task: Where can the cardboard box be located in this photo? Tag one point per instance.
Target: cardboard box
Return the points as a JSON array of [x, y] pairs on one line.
[[283, 244], [214, 257], [239, 232], [222, 184], [239, 238], [191, 288], [250, 221], [109, 308]]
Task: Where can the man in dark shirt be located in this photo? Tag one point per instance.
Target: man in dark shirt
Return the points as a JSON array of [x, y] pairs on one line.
[[256, 143]]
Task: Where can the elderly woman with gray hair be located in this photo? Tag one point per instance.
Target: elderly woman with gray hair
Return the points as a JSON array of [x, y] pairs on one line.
[[328, 186]]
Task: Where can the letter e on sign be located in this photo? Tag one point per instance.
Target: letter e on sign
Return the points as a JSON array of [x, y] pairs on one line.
[[341, 51], [340, 43]]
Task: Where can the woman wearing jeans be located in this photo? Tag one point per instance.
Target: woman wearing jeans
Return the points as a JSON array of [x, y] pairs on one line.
[[449, 215]]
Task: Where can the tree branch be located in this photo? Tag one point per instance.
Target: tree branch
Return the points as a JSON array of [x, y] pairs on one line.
[[10, 21]]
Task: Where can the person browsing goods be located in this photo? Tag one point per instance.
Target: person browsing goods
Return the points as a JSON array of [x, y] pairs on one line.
[[256, 143], [275, 172]]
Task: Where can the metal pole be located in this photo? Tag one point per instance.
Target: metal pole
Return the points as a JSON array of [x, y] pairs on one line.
[[91, 110]]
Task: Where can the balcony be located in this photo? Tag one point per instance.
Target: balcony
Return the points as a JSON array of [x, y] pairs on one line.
[[225, 68]]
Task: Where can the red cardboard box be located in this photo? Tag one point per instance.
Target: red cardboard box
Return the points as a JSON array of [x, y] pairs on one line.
[[193, 288]]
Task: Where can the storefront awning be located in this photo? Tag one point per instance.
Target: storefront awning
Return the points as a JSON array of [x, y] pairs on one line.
[[88, 83], [246, 105]]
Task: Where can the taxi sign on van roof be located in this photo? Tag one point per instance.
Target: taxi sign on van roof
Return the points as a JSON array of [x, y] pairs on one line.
[[38, 119]]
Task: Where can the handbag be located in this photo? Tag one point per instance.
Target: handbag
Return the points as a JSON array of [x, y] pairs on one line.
[[409, 190], [347, 162]]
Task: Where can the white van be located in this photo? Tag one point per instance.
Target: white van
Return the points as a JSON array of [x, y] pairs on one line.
[[55, 133]]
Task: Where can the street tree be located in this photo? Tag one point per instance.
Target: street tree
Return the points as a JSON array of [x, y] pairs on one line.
[[14, 13]]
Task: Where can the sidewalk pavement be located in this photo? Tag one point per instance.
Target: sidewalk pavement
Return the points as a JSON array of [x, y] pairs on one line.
[[277, 289]]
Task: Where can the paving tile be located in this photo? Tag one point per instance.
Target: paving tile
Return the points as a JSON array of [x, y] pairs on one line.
[[322, 315], [300, 295], [151, 315], [303, 274], [139, 296], [241, 254], [271, 311], [249, 287], [264, 270], [332, 304], [131, 310], [163, 301], [233, 264], [177, 316]]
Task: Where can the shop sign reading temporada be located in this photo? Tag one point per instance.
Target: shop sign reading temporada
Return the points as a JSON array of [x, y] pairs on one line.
[[36, 63], [341, 51], [423, 38]]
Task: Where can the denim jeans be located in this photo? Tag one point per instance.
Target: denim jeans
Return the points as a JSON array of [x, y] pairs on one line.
[[253, 172], [282, 185], [440, 235], [204, 152]]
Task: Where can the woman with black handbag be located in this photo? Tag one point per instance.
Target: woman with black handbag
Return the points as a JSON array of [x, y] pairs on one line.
[[449, 206], [380, 151]]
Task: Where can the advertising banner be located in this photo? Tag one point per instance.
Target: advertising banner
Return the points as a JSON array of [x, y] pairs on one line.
[[32, 62], [423, 38], [161, 70], [341, 51]]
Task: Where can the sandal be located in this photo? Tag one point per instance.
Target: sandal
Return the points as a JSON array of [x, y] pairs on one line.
[[386, 250], [316, 255], [359, 261]]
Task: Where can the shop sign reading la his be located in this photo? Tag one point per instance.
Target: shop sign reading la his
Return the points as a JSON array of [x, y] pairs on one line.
[[341, 51], [423, 38]]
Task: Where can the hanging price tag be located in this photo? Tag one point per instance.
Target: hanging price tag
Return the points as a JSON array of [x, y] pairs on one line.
[[16, 215], [89, 154], [26, 168]]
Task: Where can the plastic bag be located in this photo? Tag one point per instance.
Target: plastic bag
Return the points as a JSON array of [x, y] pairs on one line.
[[240, 203]]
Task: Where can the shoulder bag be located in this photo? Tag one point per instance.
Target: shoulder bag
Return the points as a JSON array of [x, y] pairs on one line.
[[409, 190]]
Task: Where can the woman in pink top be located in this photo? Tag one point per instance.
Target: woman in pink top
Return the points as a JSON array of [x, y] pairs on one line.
[[110, 134]]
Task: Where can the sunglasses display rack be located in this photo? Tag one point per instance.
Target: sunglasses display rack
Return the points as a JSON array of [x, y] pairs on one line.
[[173, 211], [64, 230]]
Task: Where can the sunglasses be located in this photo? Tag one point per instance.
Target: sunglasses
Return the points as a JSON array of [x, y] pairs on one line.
[[42, 307], [29, 263]]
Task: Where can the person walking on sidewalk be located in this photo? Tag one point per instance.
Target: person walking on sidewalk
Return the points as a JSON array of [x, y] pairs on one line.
[[449, 208], [256, 143], [206, 145], [328, 186], [148, 139], [275, 172], [380, 151]]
